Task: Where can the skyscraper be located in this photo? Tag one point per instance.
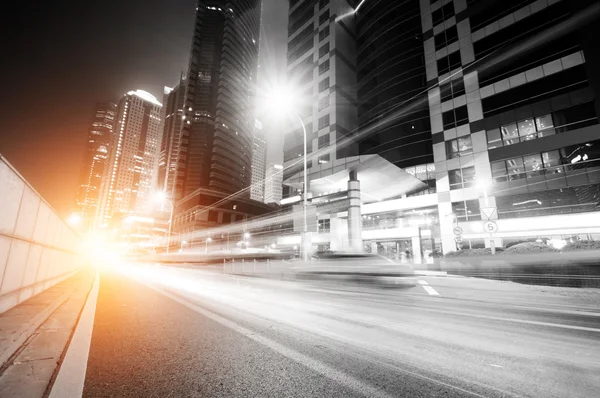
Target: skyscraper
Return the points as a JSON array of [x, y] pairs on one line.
[[322, 63], [216, 139], [273, 184], [173, 118], [131, 172], [259, 165], [98, 147], [486, 109]]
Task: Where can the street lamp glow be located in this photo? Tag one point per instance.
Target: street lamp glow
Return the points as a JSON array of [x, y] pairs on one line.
[[246, 235], [74, 219]]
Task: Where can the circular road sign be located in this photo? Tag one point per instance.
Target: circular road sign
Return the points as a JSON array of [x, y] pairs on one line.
[[490, 226], [458, 239], [457, 231]]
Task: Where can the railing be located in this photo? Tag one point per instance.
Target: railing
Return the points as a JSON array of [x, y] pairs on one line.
[[37, 248]]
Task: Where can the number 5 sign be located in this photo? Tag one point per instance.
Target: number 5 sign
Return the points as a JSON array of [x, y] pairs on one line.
[[490, 226]]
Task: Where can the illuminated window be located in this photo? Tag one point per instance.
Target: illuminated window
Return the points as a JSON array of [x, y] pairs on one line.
[[461, 178], [459, 147]]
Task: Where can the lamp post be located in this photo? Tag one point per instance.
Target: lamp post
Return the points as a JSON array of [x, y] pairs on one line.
[[483, 186], [208, 240], [162, 198], [280, 101]]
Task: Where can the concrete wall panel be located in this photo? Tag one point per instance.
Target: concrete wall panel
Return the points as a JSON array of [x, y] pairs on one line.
[[28, 210], [11, 189], [37, 248]]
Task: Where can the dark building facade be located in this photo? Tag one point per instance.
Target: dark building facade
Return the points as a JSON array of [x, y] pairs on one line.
[[173, 104], [393, 112], [216, 138], [95, 160], [514, 103]]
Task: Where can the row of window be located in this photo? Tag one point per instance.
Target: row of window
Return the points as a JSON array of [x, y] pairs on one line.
[[541, 126]]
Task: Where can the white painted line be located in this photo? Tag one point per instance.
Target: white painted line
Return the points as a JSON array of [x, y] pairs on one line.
[[430, 290], [496, 366], [346, 380], [71, 376]]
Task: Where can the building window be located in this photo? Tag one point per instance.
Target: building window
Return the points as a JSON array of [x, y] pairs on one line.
[[324, 33], [443, 13], [448, 63], [324, 141], [324, 159], [549, 202], [324, 226], [425, 173], [324, 67], [467, 210], [459, 147], [323, 122], [461, 178], [324, 17], [452, 89], [455, 117], [324, 50], [323, 84], [323, 3], [446, 37], [323, 103], [524, 130]]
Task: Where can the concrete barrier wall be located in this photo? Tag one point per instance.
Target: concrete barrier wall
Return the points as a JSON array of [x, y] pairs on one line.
[[37, 248]]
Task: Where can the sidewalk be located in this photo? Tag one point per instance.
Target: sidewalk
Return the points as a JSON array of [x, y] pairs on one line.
[[34, 336]]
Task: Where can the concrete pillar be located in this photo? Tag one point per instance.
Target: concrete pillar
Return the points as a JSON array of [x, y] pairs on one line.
[[416, 250], [447, 223], [336, 233], [354, 214]]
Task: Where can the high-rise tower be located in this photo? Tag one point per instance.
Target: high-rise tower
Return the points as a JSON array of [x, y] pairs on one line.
[[98, 146], [131, 172], [216, 139]]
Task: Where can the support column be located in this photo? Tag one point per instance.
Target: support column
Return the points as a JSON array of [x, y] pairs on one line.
[[354, 214]]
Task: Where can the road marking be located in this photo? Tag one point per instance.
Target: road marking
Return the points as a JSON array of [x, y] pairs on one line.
[[428, 288], [71, 376], [496, 366], [348, 381]]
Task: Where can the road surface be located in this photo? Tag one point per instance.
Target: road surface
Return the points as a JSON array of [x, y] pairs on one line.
[[184, 332]]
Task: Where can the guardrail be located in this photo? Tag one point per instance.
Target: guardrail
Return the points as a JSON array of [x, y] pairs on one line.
[[37, 248]]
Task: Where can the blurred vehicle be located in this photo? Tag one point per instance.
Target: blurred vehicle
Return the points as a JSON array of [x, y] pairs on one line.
[[356, 268]]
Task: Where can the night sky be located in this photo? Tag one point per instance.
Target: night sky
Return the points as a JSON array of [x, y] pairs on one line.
[[61, 57]]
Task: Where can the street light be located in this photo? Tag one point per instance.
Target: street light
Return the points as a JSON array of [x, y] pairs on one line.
[[208, 240], [161, 197], [282, 100]]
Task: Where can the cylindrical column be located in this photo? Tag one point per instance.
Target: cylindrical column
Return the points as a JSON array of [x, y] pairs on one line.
[[354, 214]]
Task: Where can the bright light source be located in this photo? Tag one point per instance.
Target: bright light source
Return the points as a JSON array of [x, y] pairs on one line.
[[576, 159], [160, 196], [280, 100], [246, 235], [482, 184], [74, 219], [209, 239]]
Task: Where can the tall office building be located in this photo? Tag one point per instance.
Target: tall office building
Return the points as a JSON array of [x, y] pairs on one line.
[[98, 146], [130, 176], [488, 111], [322, 63], [259, 164], [273, 184], [173, 119], [216, 142], [514, 105]]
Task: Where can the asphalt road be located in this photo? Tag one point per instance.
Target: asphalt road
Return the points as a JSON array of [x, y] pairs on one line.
[[167, 332]]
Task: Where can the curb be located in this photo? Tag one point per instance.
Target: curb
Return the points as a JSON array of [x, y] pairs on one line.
[[70, 379]]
